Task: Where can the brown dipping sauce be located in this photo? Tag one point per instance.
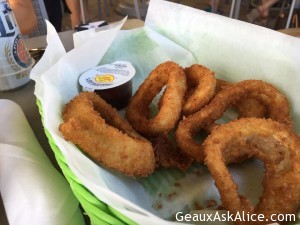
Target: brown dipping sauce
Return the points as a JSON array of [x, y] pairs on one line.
[[118, 96]]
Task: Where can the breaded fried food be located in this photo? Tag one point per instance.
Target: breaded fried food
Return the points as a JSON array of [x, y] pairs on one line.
[[201, 85], [98, 130], [168, 155], [167, 74], [276, 103], [276, 145], [249, 107]]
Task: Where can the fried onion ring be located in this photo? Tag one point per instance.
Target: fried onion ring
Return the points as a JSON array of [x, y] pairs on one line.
[[278, 110], [137, 113], [249, 107], [201, 85], [273, 143], [98, 130], [168, 155]]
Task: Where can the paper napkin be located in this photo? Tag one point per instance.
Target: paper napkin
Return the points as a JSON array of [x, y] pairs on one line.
[[33, 191]]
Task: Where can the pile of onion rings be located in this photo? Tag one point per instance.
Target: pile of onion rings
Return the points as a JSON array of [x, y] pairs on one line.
[[278, 110], [263, 124], [192, 100], [186, 92]]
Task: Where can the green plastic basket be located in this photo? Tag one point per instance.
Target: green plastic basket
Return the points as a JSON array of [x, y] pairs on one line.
[[98, 212]]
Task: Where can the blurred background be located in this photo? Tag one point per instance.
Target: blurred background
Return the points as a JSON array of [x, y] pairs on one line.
[[114, 10]]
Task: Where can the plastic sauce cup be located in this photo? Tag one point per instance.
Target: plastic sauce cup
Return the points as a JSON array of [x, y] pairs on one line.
[[112, 82]]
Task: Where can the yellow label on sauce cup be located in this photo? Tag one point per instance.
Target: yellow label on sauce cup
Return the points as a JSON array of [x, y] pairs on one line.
[[104, 78]]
